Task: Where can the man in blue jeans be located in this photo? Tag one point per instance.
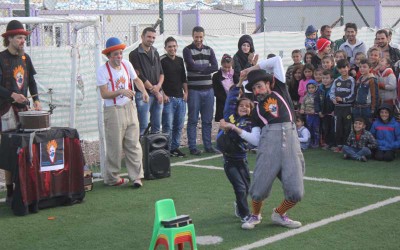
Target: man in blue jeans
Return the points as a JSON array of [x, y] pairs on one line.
[[200, 63], [175, 95], [146, 61]]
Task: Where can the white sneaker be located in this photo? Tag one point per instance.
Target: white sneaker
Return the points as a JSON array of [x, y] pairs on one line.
[[284, 220], [252, 222]]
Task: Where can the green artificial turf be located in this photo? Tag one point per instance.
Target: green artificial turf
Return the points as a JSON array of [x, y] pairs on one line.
[[122, 217]]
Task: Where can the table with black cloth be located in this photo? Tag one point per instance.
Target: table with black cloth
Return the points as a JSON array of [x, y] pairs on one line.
[[34, 190]]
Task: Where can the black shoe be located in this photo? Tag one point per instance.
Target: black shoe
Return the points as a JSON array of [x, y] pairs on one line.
[[195, 152], [212, 151], [177, 153]]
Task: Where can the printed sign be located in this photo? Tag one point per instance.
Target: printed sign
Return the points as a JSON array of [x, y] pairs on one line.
[[52, 155]]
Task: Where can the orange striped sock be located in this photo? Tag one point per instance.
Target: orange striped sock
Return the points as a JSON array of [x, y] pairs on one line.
[[285, 206], [256, 207]]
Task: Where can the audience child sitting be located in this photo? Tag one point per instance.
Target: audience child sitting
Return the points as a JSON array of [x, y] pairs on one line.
[[359, 143], [311, 38], [367, 95], [306, 76], [324, 108], [308, 108], [303, 133], [386, 130], [236, 118], [387, 82]]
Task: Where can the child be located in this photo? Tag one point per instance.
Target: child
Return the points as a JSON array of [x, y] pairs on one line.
[[387, 133], [306, 76], [373, 58], [359, 143], [236, 118], [318, 75], [367, 95], [328, 62], [296, 57], [308, 57], [293, 86], [222, 81], [324, 48], [325, 108], [386, 82], [303, 133], [338, 55], [342, 95], [311, 38], [355, 69], [308, 108]]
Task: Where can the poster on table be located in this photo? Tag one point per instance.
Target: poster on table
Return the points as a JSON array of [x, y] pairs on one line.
[[52, 155]]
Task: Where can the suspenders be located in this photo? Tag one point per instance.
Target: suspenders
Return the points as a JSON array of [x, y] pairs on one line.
[[111, 79], [284, 102]]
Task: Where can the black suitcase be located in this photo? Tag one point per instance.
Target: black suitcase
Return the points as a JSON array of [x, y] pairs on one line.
[[156, 156]]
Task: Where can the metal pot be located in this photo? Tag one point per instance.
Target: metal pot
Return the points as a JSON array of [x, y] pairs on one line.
[[33, 120]]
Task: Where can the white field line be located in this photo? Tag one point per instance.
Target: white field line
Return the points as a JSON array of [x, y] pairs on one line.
[[305, 178], [196, 160], [318, 224]]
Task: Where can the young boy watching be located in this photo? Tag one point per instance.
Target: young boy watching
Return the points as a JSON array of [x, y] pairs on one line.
[[387, 82], [359, 143], [324, 108], [342, 95], [366, 100], [296, 57], [355, 69]]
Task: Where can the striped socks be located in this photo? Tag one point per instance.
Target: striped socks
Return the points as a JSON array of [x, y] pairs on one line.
[[285, 206], [256, 207]]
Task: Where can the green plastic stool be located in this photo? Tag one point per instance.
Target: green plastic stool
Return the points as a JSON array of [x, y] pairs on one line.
[[169, 237]]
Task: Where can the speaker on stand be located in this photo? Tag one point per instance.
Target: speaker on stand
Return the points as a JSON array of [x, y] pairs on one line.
[[156, 156]]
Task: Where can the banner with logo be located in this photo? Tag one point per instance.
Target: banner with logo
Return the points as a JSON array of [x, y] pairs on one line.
[[52, 155]]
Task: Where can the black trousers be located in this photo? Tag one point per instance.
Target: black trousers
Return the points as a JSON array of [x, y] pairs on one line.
[[343, 121], [238, 174]]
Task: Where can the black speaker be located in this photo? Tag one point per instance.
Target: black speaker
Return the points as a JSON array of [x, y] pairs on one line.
[[156, 156]]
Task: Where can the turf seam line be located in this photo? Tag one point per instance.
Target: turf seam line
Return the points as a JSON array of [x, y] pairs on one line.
[[308, 178], [318, 224]]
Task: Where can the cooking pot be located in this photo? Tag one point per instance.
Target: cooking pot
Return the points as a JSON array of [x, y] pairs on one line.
[[34, 120]]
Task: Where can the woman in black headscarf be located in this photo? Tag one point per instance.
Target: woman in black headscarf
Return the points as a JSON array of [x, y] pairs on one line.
[[244, 58]]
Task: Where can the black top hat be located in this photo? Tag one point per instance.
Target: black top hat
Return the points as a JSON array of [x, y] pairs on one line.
[[255, 76], [15, 27]]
